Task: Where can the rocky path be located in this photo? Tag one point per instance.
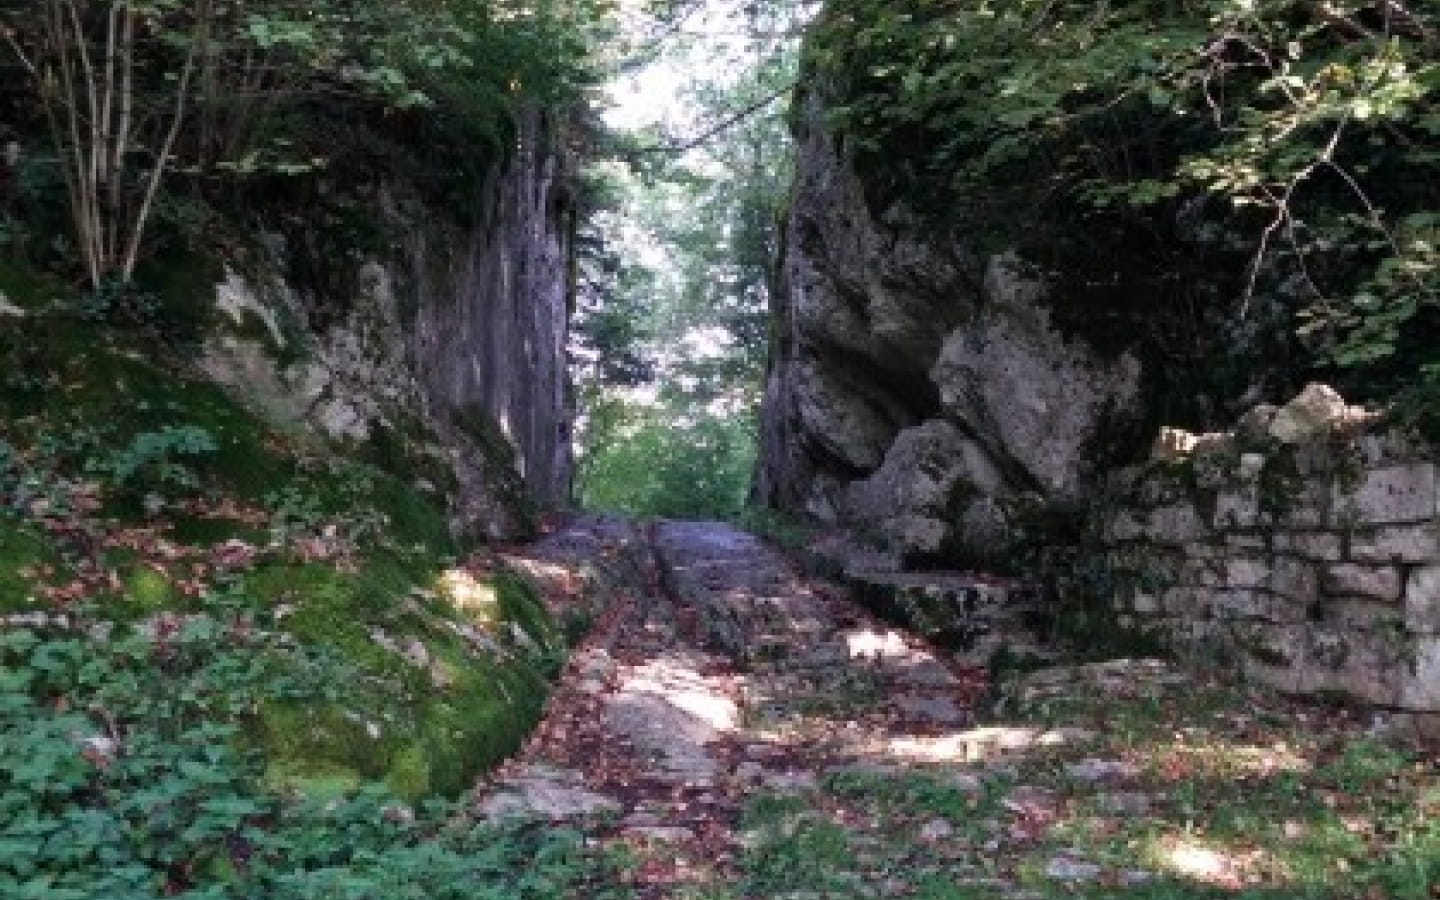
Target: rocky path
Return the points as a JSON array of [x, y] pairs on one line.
[[730, 730], [729, 673]]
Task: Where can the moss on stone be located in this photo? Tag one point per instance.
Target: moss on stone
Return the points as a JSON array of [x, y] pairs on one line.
[[147, 590], [21, 550], [425, 727], [413, 697]]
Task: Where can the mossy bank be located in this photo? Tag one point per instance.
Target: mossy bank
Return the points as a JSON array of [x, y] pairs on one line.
[[137, 497]]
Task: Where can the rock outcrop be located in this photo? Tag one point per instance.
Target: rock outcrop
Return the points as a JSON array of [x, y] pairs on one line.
[[917, 391], [449, 347]]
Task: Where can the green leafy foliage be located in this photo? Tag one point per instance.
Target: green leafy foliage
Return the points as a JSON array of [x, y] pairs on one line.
[[157, 111], [1263, 167], [121, 777], [154, 458], [668, 463]]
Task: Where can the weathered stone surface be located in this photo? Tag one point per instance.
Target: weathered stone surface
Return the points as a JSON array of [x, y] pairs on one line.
[[1176, 524], [545, 793], [1025, 390], [1295, 579], [884, 326], [843, 422], [1421, 690], [1376, 582], [1315, 657], [1387, 496], [910, 499], [1123, 525], [1238, 507], [1303, 506], [1241, 605], [1218, 570], [1310, 545], [1402, 544], [456, 335], [1422, 601], [1302, 567]]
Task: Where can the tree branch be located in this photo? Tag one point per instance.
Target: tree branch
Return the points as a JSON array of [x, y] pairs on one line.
[[717, 128]]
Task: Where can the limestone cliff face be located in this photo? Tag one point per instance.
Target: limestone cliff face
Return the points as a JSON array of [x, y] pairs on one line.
[[491, 336], [917, 390], [446, 353]]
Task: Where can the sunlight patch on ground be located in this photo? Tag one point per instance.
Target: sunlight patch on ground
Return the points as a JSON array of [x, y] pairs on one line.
[[870, 643], [1187, 758], [687, 691], [470, 595], [1218, 865], [979, 744]]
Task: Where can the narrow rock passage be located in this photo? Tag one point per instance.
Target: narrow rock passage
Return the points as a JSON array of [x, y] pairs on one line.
[[725, 673]]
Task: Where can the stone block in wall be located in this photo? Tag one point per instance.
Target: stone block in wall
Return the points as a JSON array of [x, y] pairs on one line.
[[1187, 631], [1245, 544], [1237, 507], [1387, 496], [1421, 689], [1422, 601], [1354, 580], [1227, 572], [1205, 554], [1122, 526], [1314, 413], [1295, 579], [1177, 523], [1254, 605], [1358, 615], [1185, 603], [1317, 545], [1398, 544], [1313, 657], [1376, 448], [1277, 647]]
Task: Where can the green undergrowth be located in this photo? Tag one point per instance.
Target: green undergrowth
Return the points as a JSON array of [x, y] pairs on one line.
[[235, 662], [125, 773]]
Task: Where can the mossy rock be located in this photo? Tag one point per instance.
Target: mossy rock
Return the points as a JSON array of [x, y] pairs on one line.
[[420, 708], [21, 550], [418, 692]]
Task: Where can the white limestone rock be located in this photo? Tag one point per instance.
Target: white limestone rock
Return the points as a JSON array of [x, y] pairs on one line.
[[1024, 389], [1316, 412]]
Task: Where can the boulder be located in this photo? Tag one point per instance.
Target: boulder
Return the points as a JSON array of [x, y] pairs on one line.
[[1026, 392], [911, 500]]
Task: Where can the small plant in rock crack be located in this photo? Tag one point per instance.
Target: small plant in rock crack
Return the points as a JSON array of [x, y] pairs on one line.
[[294, 512], [155, 461]]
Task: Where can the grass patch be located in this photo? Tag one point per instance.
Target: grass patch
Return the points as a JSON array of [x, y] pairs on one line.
[[1170, 789]]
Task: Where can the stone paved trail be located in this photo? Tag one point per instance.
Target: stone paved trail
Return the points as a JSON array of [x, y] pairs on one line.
[[735, 731], [726, 673]]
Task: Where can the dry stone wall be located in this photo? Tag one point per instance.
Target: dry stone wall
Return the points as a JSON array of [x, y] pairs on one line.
[[1304, 545]]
